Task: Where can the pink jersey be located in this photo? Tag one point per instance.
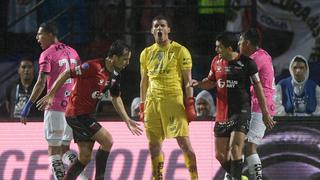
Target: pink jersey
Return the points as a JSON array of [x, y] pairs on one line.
[[266, 75], [53, 61]]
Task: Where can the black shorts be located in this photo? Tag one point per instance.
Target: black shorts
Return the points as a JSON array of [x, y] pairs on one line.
[[83, 127], [237, 122]]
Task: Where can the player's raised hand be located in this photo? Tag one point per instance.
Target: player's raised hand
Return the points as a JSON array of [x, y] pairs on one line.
[[134, 127], [47, 100], [190, 109]]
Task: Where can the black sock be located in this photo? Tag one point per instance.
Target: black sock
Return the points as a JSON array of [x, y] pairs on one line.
[[226, 166], [74, 170], [236, 169], [101, 162]]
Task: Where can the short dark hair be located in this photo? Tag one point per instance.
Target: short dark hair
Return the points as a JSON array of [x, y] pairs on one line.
[[299, 59], [50, 28], [228, 39], [252, 35], [117, 48], [161, 17], [26, 58]]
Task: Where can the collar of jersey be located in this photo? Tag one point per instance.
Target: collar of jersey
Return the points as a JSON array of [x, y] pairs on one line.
[[166, 47]]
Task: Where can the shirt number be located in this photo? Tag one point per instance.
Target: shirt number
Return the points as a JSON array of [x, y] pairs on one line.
[[65, 63]]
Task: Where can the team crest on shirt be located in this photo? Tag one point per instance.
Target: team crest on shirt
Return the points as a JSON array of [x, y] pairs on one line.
[[100, 82], [219, 68], [160, 55]]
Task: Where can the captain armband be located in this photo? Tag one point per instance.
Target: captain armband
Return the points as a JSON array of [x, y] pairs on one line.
[[254, 78]]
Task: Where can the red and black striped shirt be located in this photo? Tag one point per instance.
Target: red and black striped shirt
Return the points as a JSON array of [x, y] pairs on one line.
[[233, 85]]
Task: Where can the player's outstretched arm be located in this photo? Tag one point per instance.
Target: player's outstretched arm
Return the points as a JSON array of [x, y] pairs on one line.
[[36, 91], [47, 99], [132, 125], [204, 84]]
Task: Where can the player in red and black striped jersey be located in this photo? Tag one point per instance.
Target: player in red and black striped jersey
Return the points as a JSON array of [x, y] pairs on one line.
[[93, 78], [232, 74]]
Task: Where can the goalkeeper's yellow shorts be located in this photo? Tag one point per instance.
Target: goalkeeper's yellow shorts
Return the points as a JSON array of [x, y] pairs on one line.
[[165, 118]]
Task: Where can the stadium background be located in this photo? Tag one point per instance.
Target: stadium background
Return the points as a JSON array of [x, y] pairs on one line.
[[91, 25]]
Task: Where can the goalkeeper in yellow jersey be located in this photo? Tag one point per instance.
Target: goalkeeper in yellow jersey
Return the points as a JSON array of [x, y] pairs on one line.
[[167, 102]]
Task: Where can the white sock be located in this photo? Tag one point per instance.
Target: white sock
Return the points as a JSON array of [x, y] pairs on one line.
[[68, 158], [56, 166], [255, 166]]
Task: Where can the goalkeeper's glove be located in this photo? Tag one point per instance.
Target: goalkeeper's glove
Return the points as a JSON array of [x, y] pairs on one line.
[[190, 109]]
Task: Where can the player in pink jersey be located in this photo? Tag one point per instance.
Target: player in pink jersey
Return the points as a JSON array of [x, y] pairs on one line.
[[249, 46], [54, 60], [94, 78]]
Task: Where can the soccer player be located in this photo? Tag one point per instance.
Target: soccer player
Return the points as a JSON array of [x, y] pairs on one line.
[[55, 58], [232, 75], [165, 71], [93, 79], [249, 46]]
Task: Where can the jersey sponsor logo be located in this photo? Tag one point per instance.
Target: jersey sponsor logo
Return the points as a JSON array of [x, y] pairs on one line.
[[227, 69], [228, 83], [236, 68]]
